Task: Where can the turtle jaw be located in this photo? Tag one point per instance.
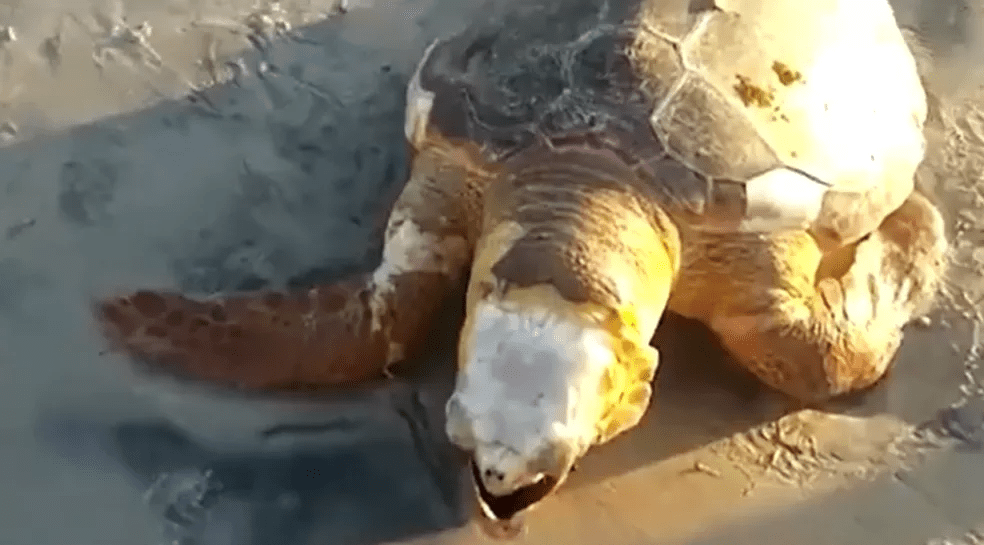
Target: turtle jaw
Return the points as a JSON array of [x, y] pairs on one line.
[[502, 515], [508, 484]]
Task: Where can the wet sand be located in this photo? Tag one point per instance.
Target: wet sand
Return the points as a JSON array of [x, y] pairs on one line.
[[202, 158]]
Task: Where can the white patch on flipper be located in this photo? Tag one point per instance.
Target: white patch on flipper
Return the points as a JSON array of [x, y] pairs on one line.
[[410, 249], [419, 103], [531, 385]]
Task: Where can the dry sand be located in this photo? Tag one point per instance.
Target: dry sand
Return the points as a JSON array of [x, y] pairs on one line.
[[194, 159]]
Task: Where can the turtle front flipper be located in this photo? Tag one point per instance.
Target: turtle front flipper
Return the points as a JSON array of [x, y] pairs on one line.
[[331, 334], [815, 325]]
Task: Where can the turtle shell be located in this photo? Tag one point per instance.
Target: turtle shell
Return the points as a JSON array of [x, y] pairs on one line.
[[738, 115]]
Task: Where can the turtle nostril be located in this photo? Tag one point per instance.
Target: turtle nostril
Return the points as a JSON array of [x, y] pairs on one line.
[[489, 473]]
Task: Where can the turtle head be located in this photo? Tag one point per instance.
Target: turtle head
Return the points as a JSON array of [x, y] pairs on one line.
[[538, 385]]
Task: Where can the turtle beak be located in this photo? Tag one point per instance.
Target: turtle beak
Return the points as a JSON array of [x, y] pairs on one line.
[[502, 515], [502, 508]]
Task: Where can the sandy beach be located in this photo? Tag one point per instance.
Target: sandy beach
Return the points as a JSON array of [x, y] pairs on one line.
[[211, 145]]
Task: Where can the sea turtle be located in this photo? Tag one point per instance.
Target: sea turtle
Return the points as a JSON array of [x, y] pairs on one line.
[[584, 166]]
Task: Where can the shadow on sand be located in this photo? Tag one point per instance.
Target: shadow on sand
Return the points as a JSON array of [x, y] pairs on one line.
[[405, 480]]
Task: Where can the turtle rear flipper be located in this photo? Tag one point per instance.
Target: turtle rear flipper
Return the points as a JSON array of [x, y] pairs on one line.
[[812, 325], [331, 334]]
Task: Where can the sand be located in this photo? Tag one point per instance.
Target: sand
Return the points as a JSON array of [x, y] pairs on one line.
[[198, 157]]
